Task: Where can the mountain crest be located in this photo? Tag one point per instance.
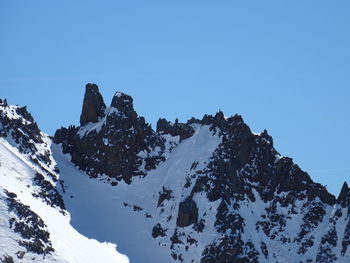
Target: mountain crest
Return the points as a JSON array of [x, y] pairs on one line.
[[123, 103], [344, 196], [93, 105], [209, 190]]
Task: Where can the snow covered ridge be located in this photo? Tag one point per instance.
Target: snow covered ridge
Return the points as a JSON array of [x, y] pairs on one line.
[[206, 191], [34, 225], [203, 191]]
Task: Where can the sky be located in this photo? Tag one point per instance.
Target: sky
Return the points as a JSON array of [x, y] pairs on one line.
[[283, 65]]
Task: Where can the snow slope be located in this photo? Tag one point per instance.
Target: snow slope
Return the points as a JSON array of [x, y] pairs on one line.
[[204, 191], [106, 212], [25, 216]]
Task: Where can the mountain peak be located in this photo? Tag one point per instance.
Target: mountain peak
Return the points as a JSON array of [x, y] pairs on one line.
[[93, 105], [344, 193], [204, 191], [123, 103]]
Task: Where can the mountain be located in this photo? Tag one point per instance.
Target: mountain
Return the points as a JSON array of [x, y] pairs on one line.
[[205, 191], [34, 223]]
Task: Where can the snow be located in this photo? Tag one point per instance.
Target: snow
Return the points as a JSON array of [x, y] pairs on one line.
[[10, 112], [101, 215], [91, 126], [98, 209], [70, 246], [97, 126], [118, 94]]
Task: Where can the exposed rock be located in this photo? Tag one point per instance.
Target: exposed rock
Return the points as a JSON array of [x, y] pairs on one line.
[[93, 105], [124, 103], [18, 124], [7, 259], [30, 226], [182, 130], [344, 196], [158, 231], [164, 195], [116, 147], [48, 192], [188, 213], [346, 240], [230, 249]]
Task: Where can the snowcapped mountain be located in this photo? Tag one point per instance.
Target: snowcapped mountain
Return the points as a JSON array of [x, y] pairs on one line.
[[34, 223], [203, 191]]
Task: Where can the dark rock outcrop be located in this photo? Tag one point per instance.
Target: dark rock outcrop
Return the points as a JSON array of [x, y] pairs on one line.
[[164, 195], [123, 145], [124, 103], [188, 213], [48, 192], [93, 105], [30, 226], [182, 130], [18, 124], [158, 231], [344, 196]]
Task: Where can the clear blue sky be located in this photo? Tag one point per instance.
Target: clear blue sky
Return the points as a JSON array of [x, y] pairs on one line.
[[283, 65]]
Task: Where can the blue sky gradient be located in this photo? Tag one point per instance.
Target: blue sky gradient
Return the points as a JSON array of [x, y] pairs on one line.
[[283, 65]]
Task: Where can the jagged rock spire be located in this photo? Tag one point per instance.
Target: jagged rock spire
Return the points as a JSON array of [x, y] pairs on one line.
[[344, 196], [93, 105], [123, 103]]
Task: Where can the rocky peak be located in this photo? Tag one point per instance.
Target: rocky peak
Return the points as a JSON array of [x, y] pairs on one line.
[[123, 103], [3, 102], [344, 196], [93, 105], [115, 146], [18, 124]]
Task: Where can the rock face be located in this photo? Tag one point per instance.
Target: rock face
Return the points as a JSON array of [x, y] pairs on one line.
[[344, 196], [184, 130], [124, 103], [120, 145], [188, 213], [18, 124], [93, 105]]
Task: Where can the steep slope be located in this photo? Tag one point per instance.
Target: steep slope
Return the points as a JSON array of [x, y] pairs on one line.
[[205, 191], [126, 214], [34, 224]]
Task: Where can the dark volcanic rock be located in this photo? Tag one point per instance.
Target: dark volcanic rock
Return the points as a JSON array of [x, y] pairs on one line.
[[122, 146], [17, 123], [188, 213], [175, 129], [30, 226], [93, 105], [164, 195], [158, 231], [48, 192], [344, 196], [124, 103]]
